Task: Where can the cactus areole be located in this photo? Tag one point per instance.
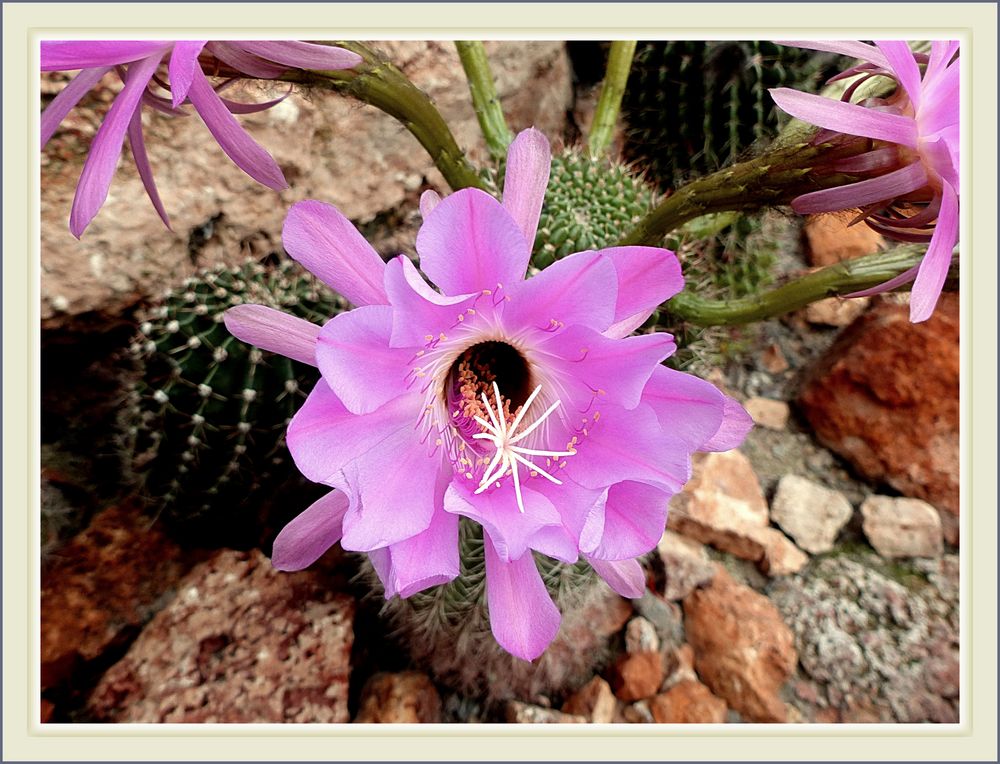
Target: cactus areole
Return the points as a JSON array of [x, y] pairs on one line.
[[520, 404]]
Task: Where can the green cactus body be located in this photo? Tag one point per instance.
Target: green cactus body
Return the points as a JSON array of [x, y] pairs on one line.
[[447, 631], [692, 107], [589, 204], [207, 417]]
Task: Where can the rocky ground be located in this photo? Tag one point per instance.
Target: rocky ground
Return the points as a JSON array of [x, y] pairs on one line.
[[811, 576]]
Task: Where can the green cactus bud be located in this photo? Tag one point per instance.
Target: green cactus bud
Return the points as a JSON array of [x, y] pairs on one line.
[[207, 417], [589, 204]]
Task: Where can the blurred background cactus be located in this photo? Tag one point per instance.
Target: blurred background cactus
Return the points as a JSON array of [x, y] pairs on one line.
[[206, 418], [692, 107]]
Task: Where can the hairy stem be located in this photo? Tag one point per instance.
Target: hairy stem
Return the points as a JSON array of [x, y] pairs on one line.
[[484, 97], [770, 179], [610, 101], [840, 279], [376, 81]]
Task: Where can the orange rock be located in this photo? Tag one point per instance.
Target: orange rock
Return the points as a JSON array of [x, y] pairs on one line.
[[743, 651], [594, 700], [638, 676], [830, 240], [885, 397], [405, 698], [689, 702]]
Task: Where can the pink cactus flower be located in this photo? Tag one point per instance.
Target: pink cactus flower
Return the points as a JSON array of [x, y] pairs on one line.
[[522, 404], [137, 63], [910, 189]]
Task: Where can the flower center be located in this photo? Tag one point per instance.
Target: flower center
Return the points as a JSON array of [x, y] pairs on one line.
[[473, 374]]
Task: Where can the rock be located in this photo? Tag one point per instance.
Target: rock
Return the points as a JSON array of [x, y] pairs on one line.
[[687, 565], [885, 397], [640, 637], [773, 359], [689, 702], [665, 617], [637, 676], [523, 713], [743, 650], [899, 527], [406, 698], [680, 663], [830, 240], [723, 505], [241, 642], [594, 700], [836, 311], [876, 642], [101, 588], [46, 709], [809, 513], [638, 713], [768, 413], [330, 148]]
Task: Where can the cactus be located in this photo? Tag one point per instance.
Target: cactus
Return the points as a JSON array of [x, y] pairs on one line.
[[691, 107], [207, 417], [589, 204], [447, 631]]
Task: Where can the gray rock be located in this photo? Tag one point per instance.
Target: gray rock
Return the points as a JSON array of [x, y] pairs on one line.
[[900, 527], [809, 513]]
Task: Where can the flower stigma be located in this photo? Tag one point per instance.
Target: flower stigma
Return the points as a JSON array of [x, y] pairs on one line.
[[509, 456]]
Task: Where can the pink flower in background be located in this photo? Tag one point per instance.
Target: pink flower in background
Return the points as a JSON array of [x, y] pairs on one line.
[[910, 189], [522, 404], [137, 64]]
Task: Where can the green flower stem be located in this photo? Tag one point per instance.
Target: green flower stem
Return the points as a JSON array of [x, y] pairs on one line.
[[773, 178], [484, 97], [610, 101], [376, 81], [840, 279]]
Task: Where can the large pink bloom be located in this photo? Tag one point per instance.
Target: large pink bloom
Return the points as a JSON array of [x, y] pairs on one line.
[[136, 63], [910, 189], [522, 404]]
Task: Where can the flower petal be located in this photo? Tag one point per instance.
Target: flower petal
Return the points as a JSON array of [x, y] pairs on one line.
[[245, 152], [138, 147], [848, 118], [903, 278], [523, 618], [356, 361], [67, 98], [183, 61], [934, 267], [324, 436], [624, 576], [629, 445], [904, 66], [581, 510], [245, 63], [58, 56], [469, 243], [429, 199], [884, 188], [419, 314], [585, 366], [647, 277], [579, 289], [942, 52], [332, 249], [273, 330], [529, 160], [497, 511], [106, 148], [635, 517], [428, 559], [394, 489], [852, 48], [308, 536], [252, 108], [736, 423], [301, 55], [555, 541]]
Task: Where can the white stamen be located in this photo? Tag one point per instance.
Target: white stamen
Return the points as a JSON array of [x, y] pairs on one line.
[[508, 456]]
